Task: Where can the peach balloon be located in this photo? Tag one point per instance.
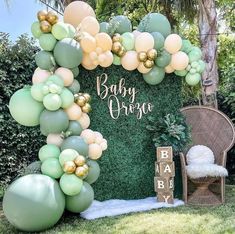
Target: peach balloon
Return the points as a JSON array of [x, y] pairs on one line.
[[40, 76], [93, 56], [98, 134], [136, 33], [104, 41], [87, 62], [179, 61], [142, 69], [104, 145], [66, 74], [130, 60], [173, 43], [88, 135], [98, 140], [169, 69], [88, 43], [84, 120], [76, 11], [55, 139], [90, 25], [108, 59], [94, 151], [101, 58], [99, 50], [144, 42], [74, 112]]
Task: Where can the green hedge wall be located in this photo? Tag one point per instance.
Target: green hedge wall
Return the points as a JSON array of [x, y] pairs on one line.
[[127, 166]]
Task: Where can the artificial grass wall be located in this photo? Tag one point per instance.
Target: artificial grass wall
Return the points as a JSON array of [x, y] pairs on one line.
[[127, 166]]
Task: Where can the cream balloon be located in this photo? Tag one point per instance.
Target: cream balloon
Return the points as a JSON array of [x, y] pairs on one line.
[[76, 11], [130, 60], [98, 140], [98, 134], [74, 112], [179, 61], [104, 41], [136, 33], [144, 42], [108, 60], [90, 25], [173, 43], [55, 139], [94, 151], [104, 145], [93, 56], [87, 62], [169, 69], [101, 58], [88, 43], [88, 135], [84, 120], [40, 76], [66, 74], [142, 69]]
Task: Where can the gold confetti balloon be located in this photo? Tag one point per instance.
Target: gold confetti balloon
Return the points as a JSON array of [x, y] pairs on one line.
[[81, 172], [152, 54], [86, 167], [148, 63], [42, 15], [81, 101], [122, 52], [52, 17], [69, 167], [142, 56], [80, 160], [116, 47], [87, 96], [116, 37], [86, 108], [45, 26]]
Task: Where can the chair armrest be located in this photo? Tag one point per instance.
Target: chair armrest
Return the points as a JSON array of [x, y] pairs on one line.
[[223, 158], [184, 177]]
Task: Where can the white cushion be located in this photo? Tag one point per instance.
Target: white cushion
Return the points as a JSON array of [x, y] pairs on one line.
[[200, 154], [204, 170]]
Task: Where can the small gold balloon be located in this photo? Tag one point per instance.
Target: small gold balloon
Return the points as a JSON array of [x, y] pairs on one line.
[[122, 52], [81, 172], [87, 96], [116, 47], [69, 167], [45, 26], [86, 167], [152, 54], [116, 37], [148, 63], [81, 101], [52, 17], [142, 56], [80, 160], [86, 108], [42, 15]]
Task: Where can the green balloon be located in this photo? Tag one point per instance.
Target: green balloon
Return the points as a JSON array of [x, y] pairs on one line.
[[37, 92], [56, 80], [45, 60], [74, 87], [93, 173], [51, 167], [74, 128], [121, 24], [67, 155], [194, 55], [24, 109], [158, 40], [75, 71], [70, 184], [155, 22], [193, 71], [53, 121], [67, 98], [181, 73], [33, 168], [35, 29], [68, 53], [48, 151], [128, 40], [82, 201], [193, 79], [60, 30], [154, 76], [77, 143], [163, 59], [47, 41], [202, 66], [52, 101], [116, 60], [33, 203], [71, 31], [104, 26], [194, 64], [186, 46]]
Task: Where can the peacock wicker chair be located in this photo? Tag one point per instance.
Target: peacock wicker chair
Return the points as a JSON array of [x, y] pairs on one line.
[[215, 130]]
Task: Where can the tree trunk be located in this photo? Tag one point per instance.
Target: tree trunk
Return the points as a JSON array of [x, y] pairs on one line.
[[208, 38]]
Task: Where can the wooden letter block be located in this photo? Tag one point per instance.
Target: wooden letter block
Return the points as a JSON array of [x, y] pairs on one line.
[[164, 154], [166, 169], [166, 197], [163, 184]]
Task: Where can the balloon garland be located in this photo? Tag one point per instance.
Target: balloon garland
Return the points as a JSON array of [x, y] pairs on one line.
[[54, 101]]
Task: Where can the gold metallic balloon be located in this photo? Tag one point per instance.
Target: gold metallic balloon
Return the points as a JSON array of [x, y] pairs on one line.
[[142, 56], [81, 172], [81, 101], [45, 26], [86, 167], [86, 108], [122, 52], [116, 47], [87, 96], [148, 63], [69, 167], [116, 37], [80, 160], [52, 17], [42, 15], [152, 54]]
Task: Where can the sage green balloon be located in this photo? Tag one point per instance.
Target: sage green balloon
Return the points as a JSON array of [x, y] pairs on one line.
[[48, 151], [154, 76], [93, 173], [82, 201], [104, 27], [37, 92], [52, 101], [128, 41], [51, 167], [195, 55], [75, 71], [56, 80], [53, 121], [193, 79], [67, 155], [74, 87], [186, 46], [121, 24], [163, 59], [60, 30], [68, 53], [77, 143], [70, 184], [181, 73], [74, 128], [71, 31], [24, 109], [45, 60], [33, 168], [158, 40], [33, 203], [202, 66], [35, 29], [67, 98], [47, 41], [116, 60]]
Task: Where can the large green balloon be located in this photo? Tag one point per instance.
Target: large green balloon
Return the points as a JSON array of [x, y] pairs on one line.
[[33, 203], [70, 184], [24, 109], [155, 22], [67, 155], [75, 71], [52, 101], [45, 60], [47, 41], [193, 79], [74, 87], [186, 46], [74, 128], [77, 143], [155, 76], [53, 121], [68, 53], [82, 201], [104, 26], [158, 40], [35, 29], [48, 151], [121, 24], [51, 167], [128, 40], [60, 30], [94, 172], [37, 92], [67, 98], [163, 59]]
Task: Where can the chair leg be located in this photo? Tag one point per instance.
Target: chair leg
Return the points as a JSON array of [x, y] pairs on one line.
[[185, 190], [222, 189]]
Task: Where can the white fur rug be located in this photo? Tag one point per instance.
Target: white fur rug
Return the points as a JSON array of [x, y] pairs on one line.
[[117, 207]]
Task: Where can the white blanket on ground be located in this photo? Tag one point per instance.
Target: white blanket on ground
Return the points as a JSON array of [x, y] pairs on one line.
[[117, 207]]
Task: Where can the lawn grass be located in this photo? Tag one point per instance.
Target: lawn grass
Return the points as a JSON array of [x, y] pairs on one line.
[[184, 219]]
